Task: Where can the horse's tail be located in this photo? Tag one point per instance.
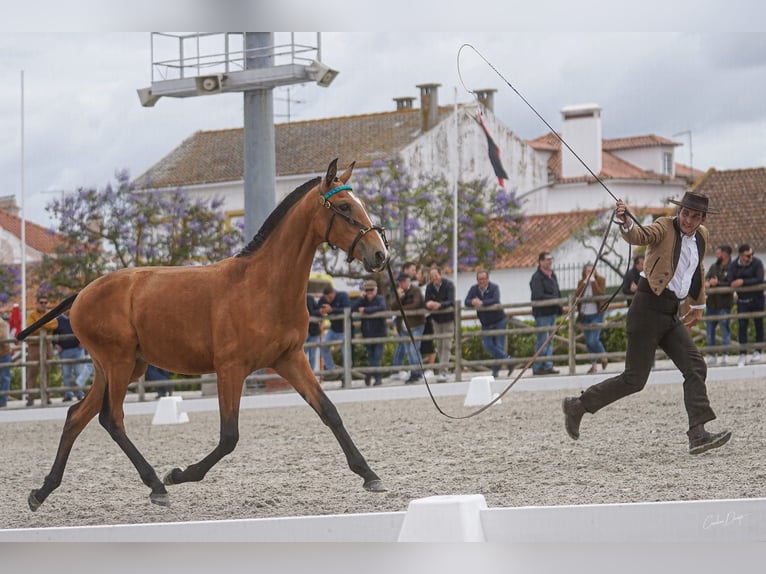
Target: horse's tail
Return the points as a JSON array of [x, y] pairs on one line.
[[55, 312]]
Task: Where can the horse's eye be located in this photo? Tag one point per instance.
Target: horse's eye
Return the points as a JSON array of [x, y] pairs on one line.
[[344, 207]]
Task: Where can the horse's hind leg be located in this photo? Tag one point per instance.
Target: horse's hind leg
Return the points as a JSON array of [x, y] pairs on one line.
[[229, 393], [112, 419], [78, 416], [297, 370]]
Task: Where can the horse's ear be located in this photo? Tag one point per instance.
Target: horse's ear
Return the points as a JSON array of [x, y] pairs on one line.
[[347, 174], [332, 169]]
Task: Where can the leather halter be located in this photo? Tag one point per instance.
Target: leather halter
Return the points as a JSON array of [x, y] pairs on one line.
[[363, 229]]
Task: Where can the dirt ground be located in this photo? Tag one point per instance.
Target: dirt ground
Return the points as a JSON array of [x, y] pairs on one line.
[[287, 463]]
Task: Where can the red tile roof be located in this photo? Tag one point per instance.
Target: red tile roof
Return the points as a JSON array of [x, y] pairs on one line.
[[549, 231], [37, 237], [740, 196]]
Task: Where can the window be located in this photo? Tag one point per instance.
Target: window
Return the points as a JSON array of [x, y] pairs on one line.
[[667, 163]]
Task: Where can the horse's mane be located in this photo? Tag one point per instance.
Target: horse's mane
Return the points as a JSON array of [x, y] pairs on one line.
[[276, 216]]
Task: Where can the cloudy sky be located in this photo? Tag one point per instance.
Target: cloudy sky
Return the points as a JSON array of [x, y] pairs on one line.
[[82, 119]]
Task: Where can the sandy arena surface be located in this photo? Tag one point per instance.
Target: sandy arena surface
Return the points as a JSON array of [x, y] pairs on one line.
[[288, 463]]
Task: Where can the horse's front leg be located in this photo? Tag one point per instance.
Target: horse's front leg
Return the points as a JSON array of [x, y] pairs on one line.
[[229, 394], [296, 369]]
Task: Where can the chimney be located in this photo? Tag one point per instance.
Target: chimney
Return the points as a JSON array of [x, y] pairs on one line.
[[429, 105], [487, 98], [404, 103], [581, 129]]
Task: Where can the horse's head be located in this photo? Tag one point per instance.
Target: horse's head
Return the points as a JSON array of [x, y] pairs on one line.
[[348, 222]]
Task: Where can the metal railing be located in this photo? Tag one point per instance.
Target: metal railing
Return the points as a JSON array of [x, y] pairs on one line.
[[568, 341]]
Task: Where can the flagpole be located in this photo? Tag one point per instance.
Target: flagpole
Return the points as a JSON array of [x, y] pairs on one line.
[[456, 175], [23, 246]]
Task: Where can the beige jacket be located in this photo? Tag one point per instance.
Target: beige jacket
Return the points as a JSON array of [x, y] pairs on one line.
[[663, 241]]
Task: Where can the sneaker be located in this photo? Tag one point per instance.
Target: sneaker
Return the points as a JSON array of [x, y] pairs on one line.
[[742, 360], [756, 357], [723, 359], [711, 360], [441, 377], [707, 441], [429, 374], [413, 379], [403, 375]]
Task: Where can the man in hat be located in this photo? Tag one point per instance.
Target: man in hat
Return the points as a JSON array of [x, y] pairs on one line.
[[372, 327], [410, 298], [673, 273]]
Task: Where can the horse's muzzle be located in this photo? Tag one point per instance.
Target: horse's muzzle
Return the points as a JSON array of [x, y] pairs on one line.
[[378, 263]]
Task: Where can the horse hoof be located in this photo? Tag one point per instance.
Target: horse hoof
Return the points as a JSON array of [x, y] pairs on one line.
[[375, 486], [160, 498], [168, 478], [34, 504]]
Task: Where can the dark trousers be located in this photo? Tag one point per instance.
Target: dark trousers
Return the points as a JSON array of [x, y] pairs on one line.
[[653, 322]]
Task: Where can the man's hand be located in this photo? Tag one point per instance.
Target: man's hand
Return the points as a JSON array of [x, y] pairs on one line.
[[619, 213], [691, 317]]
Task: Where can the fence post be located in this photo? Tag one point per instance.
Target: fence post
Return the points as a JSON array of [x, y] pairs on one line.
[[458, 340], [347, 353], [43, 368], [572, 335]]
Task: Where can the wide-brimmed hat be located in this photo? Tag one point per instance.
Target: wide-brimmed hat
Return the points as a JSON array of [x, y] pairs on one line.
[[694, 201]]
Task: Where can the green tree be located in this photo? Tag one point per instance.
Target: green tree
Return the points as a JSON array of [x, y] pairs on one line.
[[119, 226]]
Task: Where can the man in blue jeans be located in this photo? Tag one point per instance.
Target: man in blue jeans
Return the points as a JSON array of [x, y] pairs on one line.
[[745, 271], [5, 358], [487, 294], [410, 298], [545, 286], [69, 348], [718, 303], [331, 304]]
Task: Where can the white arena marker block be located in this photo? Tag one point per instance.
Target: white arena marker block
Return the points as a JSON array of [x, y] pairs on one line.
[[480, 392], [448, 518], [169, 412]]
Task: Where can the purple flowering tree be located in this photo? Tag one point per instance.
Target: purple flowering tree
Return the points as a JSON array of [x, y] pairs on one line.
[[10, 284], [417, 216], [120, 226]]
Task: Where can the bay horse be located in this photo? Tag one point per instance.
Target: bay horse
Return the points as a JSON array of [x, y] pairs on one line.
[[232, 317]]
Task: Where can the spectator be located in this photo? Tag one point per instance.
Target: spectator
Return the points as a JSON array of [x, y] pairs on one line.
[[427, 347], [719, 303], [588, 312], [410, 299], [400, 352], [373, 327], [6, 356], [630, 281], [487, 294], [545, 286], [69, 348], [747, 270], [33, 347], [440, 300], [331, 305], [156, 374], [314, 331]]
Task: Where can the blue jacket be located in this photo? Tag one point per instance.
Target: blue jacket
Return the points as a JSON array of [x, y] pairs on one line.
[[751, 274], [340, 302], [491, 296], [374, 326], [313, 307]]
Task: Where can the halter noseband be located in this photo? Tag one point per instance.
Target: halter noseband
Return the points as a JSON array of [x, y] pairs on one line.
[[325, 200]]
